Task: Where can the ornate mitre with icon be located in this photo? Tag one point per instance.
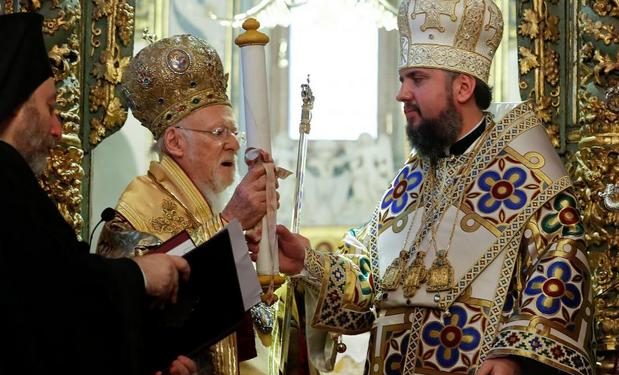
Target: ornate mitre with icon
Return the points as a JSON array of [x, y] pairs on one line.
[[172, 77], [456, 35]]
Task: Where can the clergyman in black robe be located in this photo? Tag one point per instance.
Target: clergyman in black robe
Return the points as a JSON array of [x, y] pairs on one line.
[[62, 310]]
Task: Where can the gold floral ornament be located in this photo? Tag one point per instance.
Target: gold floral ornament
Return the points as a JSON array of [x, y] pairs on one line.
[[125, 22], [551, 32], [108, 112], [460, 36], [530, 24], [170, 221], [605, 65], [539, 63], [108, 72], [551, 63], [545, 110], [528, 60], [606, 7], [595, 116], [607, 33], [66, 18], [62, 179], [172, 77]]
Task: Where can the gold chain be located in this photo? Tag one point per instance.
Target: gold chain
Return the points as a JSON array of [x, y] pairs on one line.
[[396, 273], [392, 278], [440, 275], [422, 191], [465, 172]]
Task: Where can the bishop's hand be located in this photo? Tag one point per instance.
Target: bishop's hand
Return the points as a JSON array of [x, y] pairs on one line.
[[249, 202], [291, 249]]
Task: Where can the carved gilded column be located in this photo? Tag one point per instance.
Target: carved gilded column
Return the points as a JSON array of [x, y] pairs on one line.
[[542, 36], [595, 165], [108, 47]]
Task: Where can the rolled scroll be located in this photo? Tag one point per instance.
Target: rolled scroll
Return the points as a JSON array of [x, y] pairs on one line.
[[258, 122]]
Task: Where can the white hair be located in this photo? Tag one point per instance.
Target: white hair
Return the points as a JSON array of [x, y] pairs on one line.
[[158, 148]]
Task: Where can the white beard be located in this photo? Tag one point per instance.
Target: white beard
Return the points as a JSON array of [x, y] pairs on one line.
[[218, 201]]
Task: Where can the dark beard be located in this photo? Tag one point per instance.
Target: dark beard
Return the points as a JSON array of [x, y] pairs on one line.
[[434, 135]]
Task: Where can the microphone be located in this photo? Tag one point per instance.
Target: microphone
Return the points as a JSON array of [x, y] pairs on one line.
[[106, 215]]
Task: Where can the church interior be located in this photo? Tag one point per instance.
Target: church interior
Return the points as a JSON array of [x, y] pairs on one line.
[[561, 55]]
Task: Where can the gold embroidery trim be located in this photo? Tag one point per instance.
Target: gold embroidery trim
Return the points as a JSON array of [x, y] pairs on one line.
[[170, 222]]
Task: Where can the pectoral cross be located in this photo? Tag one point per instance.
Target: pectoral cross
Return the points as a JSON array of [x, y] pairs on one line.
[[433, 9]]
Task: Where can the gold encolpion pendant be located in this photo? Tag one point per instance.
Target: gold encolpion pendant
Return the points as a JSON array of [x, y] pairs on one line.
[[393, 274], [440, 274], [415, 275]]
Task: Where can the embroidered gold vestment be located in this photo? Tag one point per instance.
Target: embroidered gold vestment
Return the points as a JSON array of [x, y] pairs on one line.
[[163, 203], [516, 245]]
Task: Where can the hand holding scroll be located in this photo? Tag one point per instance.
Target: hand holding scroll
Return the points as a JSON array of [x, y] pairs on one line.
[[249, 201], [291, 248]]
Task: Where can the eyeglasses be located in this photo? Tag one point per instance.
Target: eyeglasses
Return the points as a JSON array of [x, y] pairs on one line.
[[220, 133]]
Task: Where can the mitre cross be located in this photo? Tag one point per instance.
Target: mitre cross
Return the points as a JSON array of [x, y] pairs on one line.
[[433, 9]]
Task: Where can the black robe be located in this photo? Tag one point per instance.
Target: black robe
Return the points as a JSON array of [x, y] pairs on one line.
[[62, 310]]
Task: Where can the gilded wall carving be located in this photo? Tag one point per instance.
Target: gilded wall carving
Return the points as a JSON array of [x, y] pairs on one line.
[[110, 44], [541, 41], [568, 64], [595, 164]]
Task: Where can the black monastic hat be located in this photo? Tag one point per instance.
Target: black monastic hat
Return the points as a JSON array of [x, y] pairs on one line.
[[24, 63]]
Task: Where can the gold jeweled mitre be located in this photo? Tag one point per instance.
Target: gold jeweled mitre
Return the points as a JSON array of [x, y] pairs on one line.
[[172, 77], [456, 35]]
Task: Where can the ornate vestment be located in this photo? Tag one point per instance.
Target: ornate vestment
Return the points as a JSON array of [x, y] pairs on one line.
[[163, 203], [504, 212]]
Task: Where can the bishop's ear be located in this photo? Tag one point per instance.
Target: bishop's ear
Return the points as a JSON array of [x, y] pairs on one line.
[[174, 142], [464, 88]]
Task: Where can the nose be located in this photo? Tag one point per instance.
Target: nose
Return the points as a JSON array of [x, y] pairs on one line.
[[405, 94], [55, 126], [232, 142]]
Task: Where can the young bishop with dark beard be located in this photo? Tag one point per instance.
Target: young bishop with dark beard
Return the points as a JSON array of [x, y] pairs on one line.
[[474, 260]]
